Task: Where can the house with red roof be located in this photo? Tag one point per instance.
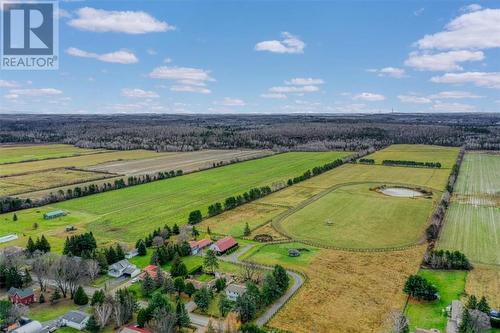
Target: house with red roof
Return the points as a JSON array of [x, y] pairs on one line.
[[197, 246], [149, 269], [223, 245]]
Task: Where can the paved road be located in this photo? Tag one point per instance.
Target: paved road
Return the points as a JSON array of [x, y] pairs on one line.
[[298, 279]]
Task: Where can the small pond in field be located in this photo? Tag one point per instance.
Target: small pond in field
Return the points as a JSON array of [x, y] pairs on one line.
[[401, 192]]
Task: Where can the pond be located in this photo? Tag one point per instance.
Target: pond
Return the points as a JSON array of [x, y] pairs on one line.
[[401, 192]]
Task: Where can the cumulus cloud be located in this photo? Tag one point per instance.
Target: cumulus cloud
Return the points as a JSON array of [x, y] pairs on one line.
[[304, 81], [129, 22], [289, 44], [480, 79], [454, 94], [445, 61], [293, 89], [474, 30], [119, 57], [273, 96], [139, 93], [186, 79], [8, 84], [192, 89], [413, 99], [369, 97], [389, 71], [474, 7], [228, 101], [16, 93]]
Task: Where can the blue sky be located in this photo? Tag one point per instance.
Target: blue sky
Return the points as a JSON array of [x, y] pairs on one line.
[[267, 57]]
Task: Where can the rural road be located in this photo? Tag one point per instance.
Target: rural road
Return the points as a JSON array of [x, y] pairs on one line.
[[278, 304]]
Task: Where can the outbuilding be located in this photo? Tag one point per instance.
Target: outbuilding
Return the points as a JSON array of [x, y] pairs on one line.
[[223, 245], [54, 214], [30, 327]]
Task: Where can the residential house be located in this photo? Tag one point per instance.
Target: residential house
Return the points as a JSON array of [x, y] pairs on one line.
[[75, 319], [54, 214], [197, 246], [123, 267], [151, 270], [234, 290], [24, 296], [29, 327], [134, 329], [223, 245], [131, 254]]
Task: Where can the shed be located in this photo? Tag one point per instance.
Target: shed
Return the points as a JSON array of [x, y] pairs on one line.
[[293, 253], [54, 214]]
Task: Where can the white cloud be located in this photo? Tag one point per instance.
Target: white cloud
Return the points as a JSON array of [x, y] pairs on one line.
[[419, 11], [474, 7], [293, 89], [370, 97], [414, 99], [167, 60], [453, 107], [304, 81], [181, 73], [139, 93], [389, 71], [445, 61], [289, 44], [120, 57], [454, 94], [480, 79], [273, 96], [228, 101], [8, 84], [476, 30], [192, 89], [129, 22], [15, 93], [151, 52]]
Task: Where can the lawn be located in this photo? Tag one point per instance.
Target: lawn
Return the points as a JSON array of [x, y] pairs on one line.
[[450, 285], [272, 254], [355, 217], [419, 153], [350, 291], [130, 213], [473, 230], [47, 311], [22, 153]]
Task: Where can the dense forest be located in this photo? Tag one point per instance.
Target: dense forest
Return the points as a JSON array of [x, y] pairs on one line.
[[278, 132]]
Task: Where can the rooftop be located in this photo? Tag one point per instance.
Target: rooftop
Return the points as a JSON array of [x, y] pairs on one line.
[[77, 317], [226, 243]]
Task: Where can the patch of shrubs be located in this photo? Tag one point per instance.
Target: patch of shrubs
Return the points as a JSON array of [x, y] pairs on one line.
[[444, 259], [412, 163]]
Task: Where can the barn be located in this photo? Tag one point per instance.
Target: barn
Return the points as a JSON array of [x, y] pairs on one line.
[[54, 214], [21, 296]]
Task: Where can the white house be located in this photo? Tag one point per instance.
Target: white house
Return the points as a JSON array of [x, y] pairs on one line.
[[235, 290], [123, 267], [75, 319]]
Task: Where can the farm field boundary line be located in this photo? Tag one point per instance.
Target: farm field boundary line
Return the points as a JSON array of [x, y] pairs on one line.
[[57, 158], [402, 166], [276, 222]]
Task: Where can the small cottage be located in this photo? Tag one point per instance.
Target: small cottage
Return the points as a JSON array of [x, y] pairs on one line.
[[233, 291]]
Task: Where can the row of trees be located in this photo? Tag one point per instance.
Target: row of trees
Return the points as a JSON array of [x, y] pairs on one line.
[[444, 259], [367, 160], [41, 245], [80, 245], [412, 163]]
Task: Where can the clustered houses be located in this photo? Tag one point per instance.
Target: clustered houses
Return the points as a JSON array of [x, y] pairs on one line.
[[198, 246], [224, 244]]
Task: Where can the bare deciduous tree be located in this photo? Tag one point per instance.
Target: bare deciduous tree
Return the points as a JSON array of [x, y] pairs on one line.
[[68, 273], [103, 311], [162, 321], [157, 241], [41, 267], [396, 322], [92, 268], [250, 272]]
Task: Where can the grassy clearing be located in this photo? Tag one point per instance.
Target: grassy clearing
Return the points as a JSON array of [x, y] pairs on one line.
[[355, 217], [77, 161], [474, 230], [130, 213], [450, 285], [45, 179], [272, 254], [22, 153], [47, 311], [352, 292], [479, 175], [485, 281], [419, 153]]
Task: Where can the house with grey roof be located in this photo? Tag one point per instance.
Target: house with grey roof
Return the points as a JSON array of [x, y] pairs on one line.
[[30, 327], [123, 267], [75, 319], [234, 290]]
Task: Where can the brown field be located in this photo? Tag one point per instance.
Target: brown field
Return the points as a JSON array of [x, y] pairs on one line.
[[186, 161], [349, 291], [46, 179], [485, 281], [267, 229]]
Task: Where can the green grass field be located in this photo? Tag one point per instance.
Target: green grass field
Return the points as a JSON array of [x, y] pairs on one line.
[[479, 175], [22, 153], [474, 230], [450, 285], [131, 213], [355, 217], [420, 153], [272, 254]]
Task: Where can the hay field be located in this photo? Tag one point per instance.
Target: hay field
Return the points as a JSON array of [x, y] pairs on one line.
[[420, 153], [76, 161], [348, 291], [186, 161], [484, 280], [479, 175], [130, 213], [46, 179], [355, 217], [22, 153]]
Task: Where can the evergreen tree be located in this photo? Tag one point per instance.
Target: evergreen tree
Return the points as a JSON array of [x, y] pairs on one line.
[[202, 298], [55, 296], [179, 285], [111, 256], [178, 267], [168, 285], [80, 297], [155, 258], [220, 284], [225, 305], [160, 277], [41, 299], [148, 285], [270, 289], [189, 289], [195, 233], [175, 229], [282, 278], [247, 230], [181, 315], [209, 232], [246, 306], [92, 325], [210, 261], [120, 254], [471, 303], [483, 306], [185, 249], [14, 217], [98, 297], [30, 246], [466, 326], [43, 245], [141, 249], [195, 217], [27, 278]]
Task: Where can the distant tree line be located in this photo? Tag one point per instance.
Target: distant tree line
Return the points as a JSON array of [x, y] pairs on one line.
[[412, 164], [367, 160]]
